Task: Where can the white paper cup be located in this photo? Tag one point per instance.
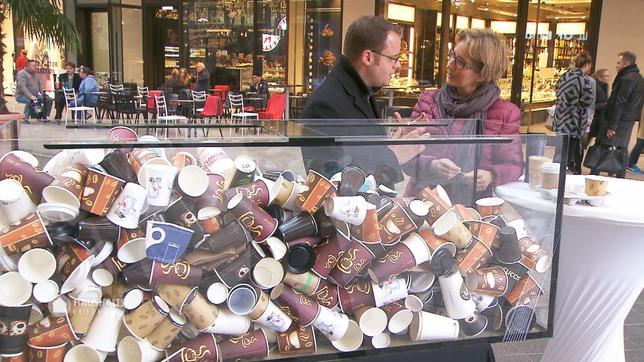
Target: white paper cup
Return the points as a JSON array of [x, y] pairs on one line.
[[36, 314], [132, 299], [105, 252], [87, 290], [58, 306], [127, 207], [88, 157], [332, 324], [267, 273], [383, 340], [389, 291], [37, 265], [351, 340], [102, 277], [242, 299], [8, 263], [274, 318], [229, 323], [277, 247], [132, 350], [15, 290], [456, 297], [418, 248], [432, 327], [15, 204], [83, 353], [217, 293], [413, 303], [400, 321], [23, 156], [193, 181], [450, 228], [372, 321], [158, 183], [350, 209], [215, 159], [46, 291], [104, 331]]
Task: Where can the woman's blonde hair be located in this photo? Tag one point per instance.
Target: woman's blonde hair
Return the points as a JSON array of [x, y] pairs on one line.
[[487, 49]]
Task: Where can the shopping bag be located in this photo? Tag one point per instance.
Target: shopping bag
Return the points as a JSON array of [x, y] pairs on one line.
[[36, 109], [606, 158]]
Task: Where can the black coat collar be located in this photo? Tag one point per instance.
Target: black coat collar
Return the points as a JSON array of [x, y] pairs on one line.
[[353, 84]]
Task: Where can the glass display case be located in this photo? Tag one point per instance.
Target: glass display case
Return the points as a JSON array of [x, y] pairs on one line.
[[323, 239]]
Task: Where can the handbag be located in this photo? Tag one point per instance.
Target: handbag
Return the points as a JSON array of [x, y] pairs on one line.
[[36, 109], [603, 158]]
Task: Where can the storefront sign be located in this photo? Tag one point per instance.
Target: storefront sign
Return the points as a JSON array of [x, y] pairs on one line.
[[548, 36], [269, 42]]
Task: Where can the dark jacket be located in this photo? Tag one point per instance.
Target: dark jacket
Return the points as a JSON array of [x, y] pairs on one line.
[[345, 96], [76, 81], [261, 88], [202, 83], [626, 97], [173, 83], [601, 100]]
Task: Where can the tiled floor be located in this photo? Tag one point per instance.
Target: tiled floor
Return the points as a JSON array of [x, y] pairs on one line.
[[531, 351]]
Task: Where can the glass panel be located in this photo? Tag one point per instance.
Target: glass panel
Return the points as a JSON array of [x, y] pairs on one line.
[[132, 45], [100, 45], [551, 47]]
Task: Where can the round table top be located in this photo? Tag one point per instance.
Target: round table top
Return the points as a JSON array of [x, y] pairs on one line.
[[624, 203]]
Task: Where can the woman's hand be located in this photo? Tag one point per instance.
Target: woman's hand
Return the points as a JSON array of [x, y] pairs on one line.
[[445, 168], [484, 179]]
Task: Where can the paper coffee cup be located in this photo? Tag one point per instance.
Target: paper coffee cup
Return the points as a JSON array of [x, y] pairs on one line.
[[432, 327]]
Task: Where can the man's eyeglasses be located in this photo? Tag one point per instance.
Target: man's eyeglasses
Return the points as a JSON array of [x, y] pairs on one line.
[[396, 59], [460, 62]]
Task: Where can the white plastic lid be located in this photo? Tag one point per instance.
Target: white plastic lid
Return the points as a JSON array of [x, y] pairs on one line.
[[550, 167]]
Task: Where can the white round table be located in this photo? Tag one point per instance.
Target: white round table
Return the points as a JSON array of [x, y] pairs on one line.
[[601, 268]]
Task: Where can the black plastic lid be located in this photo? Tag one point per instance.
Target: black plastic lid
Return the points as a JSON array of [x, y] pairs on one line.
[[300, 258]]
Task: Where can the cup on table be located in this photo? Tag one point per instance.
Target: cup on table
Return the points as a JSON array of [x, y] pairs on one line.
[[596, 186], [319, 189], [534, 168], [33, 181], [432, 327], [29, 233], [128, 206], [15, 203], [550, 175], [13, 335]]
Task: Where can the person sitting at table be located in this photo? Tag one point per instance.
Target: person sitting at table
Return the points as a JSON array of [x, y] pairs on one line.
[[201, 79], [29, 88], [67, 80], [174, 81], [474, 66], [88, 90], [259, 85]]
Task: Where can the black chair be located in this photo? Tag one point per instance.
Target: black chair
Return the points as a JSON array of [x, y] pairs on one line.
[[127, 108]]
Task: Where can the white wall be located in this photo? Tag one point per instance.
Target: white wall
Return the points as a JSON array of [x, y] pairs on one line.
[[8, 60], [622, 28], [353, 9]]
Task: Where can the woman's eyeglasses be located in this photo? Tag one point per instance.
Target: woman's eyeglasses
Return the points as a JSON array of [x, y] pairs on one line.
[[460, 62], [395, 59]]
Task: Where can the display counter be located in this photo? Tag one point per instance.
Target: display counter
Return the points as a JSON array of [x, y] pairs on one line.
[[333, 239]]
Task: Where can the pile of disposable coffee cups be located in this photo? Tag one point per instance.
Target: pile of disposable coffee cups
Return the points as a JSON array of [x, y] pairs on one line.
[[202, 257]]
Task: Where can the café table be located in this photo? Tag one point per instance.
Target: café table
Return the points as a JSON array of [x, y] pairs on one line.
[[601, 268]]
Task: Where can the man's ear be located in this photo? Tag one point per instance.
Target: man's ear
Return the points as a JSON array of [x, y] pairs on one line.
[[367, 57]]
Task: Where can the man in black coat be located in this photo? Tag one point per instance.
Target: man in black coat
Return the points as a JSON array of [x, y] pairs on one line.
[[370, 56], [624, 106], [67, 80]]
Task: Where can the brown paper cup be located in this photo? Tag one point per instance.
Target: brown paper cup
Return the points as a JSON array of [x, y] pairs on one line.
[[449, 227], [397, 260], [489, 281], [473, 257], [80, 314], [437, 206], [534, 256], [211, 203], [50, 332], [302, 308], [166, 331], [525, 292], [395, 224], [356, 295], [595, 186], [259, 223], [32, 180], [201, 313], [368, 232], [29, 233], [47, 353], [326, 294], [297, 340], [144, 319], [175, 273], [175, 295], [319, 189], [99, 192], [67, 188], [356, 258], [490, 206], [306, 283], [328, 254], [248, 346]]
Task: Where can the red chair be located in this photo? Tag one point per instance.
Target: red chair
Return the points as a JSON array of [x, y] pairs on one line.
[[275, 107], [212, 109], [222, 91], [150, 104]]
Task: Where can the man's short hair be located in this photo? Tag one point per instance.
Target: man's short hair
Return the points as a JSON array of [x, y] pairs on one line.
[[628, 56], [70, 64], [583, 59], [367, 33], [87, 70]]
